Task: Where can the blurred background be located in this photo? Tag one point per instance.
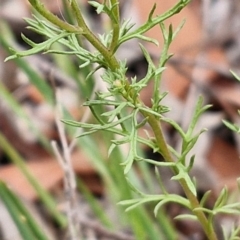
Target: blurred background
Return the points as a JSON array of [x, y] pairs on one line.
[[205, 51]]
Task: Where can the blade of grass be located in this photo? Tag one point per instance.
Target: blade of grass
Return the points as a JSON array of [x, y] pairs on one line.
[[166, 226], [18, 110], [26, 224], [42, 193], [95, 206]]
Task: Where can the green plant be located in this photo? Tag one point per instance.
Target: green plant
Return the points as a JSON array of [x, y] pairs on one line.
[[117, 112], [26, 224]]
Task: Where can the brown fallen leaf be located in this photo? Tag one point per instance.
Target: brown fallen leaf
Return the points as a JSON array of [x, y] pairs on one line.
[[47, 171]]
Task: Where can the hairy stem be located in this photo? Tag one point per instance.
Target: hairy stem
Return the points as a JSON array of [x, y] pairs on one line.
[[115, 25], [162, 145], [82, 28], [39, 6], [112, 63], [90, 36], [155, 21]]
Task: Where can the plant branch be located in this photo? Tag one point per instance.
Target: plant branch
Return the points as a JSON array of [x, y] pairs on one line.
[[88, 34], [128, 92], [115, 25], [155, 21], [161, 143], [82, 28], [39, 6]]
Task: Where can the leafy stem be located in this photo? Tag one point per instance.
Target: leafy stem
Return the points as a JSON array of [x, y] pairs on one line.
[[162, 146], [39, 6], [155, 21], [115, 75], [82, 28], [161, 143], [115, 25], [91, 37]]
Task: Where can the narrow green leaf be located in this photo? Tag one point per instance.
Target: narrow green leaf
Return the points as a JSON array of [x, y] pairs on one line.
[[178, 28], [125, 139], [147, 39], [129, 161], [26, 224], [199, 109], [164, 31], [95, 205], [28, 41], [170, 34], [113, 113], [205, 198], [231, 126], [235, 75], [99, 7], [42, 193], [150, 16], [186, 217], [222, 199], [142, 123], [111, 148], [191, 163], [171, 198], [175, 125]]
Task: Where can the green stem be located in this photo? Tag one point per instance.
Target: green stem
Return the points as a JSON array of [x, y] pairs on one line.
[[155, 125], [155, 21], [42, 193], [82, 28], [161, 142], [115, 25], [113, 64], [157, 81], [53, 18], [88, 34]]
